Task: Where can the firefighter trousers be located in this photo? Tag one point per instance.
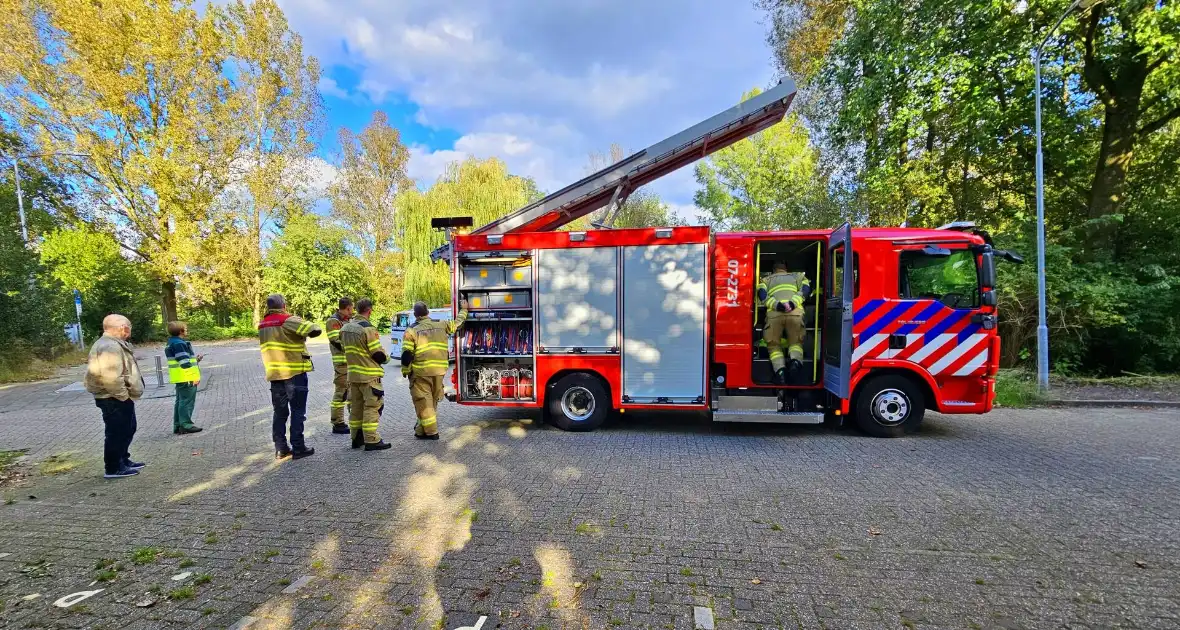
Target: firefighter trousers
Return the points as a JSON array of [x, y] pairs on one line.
[[776, 325], [426, 392], [365, 411], [340, 395]]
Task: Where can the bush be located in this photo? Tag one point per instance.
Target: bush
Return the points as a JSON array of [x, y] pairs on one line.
[[1016, 388], [21, 361], [92, 262], [201, 327]]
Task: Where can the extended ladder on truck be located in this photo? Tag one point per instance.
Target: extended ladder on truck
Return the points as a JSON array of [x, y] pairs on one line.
[[610, 187]]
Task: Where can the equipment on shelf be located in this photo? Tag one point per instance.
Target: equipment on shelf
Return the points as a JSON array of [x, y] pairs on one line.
[[493, 337], [493, 383]]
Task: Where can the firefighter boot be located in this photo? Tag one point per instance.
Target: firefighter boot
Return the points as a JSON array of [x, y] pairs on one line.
[[780, 377], [794, 371], [378, 446]]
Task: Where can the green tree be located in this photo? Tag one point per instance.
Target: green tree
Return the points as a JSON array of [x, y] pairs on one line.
[[93, 263], [138, 87], [311, 265], [372, 173], [370, 178], [481, 189], [772, 180], [278, 114], [925, 109], [33, 306]]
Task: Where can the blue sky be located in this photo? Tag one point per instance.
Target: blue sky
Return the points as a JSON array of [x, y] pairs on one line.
[[539, 84]]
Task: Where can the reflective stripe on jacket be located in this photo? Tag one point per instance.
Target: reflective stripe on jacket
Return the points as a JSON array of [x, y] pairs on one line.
[[783, 286], [283, 339], [361, 341], [182, 363], [426, 340]]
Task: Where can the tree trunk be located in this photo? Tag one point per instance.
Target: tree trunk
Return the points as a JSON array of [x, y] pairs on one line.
[[1110, 174], [168, 301], [257, 306]]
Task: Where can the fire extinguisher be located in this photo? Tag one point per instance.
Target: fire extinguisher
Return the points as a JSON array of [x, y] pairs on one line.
[[525, 390], [508, 384]]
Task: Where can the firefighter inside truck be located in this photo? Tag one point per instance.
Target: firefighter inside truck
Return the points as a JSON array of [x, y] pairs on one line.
[[801, 256]]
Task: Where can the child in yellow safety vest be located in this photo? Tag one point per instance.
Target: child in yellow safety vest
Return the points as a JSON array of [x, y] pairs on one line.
[[183, 371]]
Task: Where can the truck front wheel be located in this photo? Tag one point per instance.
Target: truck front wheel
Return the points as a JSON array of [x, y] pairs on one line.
[[889, 405], [577, 402]]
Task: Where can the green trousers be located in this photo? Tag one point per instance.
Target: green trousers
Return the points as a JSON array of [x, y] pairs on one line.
[[186, 400]]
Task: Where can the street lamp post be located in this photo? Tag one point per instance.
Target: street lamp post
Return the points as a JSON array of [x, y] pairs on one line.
[[1042, 324], [20, 198], [20, 202]]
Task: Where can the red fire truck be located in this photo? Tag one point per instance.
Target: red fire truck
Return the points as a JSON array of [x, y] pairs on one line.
[[582, 323]]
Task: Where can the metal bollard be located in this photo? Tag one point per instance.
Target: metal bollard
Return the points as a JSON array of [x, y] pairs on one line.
[[159, 372]]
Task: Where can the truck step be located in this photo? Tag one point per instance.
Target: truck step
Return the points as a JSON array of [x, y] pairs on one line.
[[769, 417]]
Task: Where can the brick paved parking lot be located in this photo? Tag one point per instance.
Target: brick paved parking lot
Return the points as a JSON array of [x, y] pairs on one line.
[[1018, 519]]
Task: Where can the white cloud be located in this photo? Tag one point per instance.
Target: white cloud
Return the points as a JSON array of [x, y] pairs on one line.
[[543, 84], [329, 87]]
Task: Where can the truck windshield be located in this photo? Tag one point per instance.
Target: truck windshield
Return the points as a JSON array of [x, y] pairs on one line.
[[952, 280]]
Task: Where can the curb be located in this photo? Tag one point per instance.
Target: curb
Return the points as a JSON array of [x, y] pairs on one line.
[[1162, 404]]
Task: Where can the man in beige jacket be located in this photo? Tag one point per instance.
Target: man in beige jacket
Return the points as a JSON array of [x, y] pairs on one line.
[[113, 377]]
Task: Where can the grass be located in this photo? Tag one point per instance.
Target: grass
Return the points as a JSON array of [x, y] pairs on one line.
[[272, 552], [187, 562], [317, 565], [205, 612], [22, 367], [184, 592], [145, 555], [284, 582], [686, 572], [407, 610], [775, 527], [203, 578], [211, 538], [106, 575], [8, 457], [58, 464], [1017, 388], [586, 529]]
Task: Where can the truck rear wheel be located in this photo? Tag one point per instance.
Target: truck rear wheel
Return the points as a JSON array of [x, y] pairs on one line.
[[577, 402], [889, 405]]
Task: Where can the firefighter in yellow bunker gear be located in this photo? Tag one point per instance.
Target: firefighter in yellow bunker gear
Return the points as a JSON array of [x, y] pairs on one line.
[[783, 293], [339, 364], [424, 361], [364, 355]]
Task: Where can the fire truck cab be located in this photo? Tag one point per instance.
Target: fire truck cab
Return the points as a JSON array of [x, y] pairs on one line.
[[585, 323]]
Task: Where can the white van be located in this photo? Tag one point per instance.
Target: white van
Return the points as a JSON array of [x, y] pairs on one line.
[[403, 319]]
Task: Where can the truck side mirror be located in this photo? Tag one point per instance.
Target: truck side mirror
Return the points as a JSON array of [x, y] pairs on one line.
[[987, 270], [988, 298], [1010, 256]]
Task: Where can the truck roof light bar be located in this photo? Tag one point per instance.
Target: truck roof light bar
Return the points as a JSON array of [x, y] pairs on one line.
[[614, 182]]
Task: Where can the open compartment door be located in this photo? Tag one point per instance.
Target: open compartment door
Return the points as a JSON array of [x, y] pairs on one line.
[[837, 330]]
